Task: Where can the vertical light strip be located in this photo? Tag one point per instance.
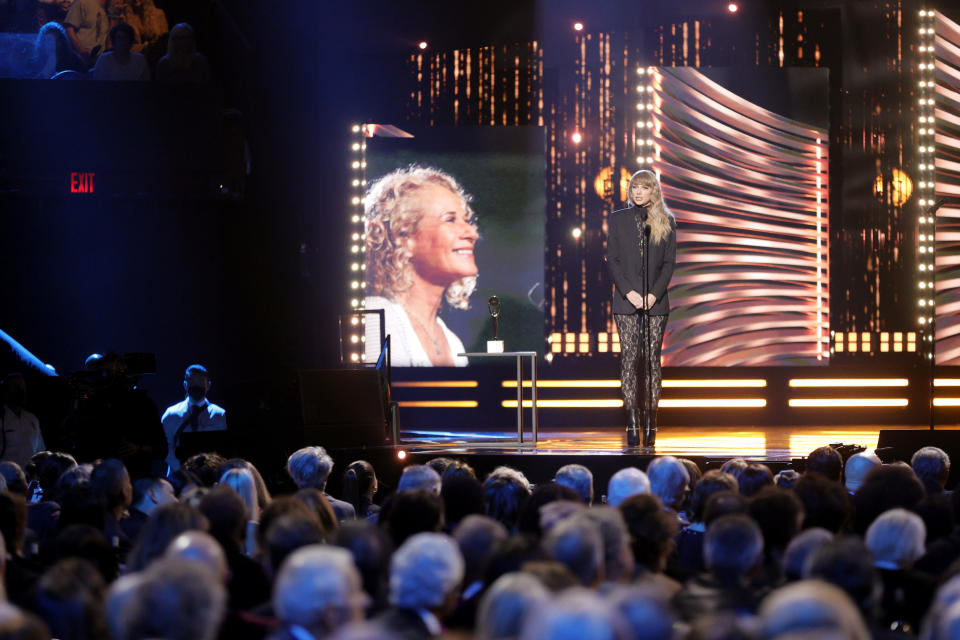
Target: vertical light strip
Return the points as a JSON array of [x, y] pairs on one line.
[[644, 131], [926, 148], [356, 232], [819, 251]]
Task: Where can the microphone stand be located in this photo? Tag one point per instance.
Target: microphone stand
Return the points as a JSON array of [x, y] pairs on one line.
[[647, 382]]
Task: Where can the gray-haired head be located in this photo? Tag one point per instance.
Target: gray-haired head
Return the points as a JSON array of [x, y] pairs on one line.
[[419, 476], [202, 549], [732, 546], [857, 467], [626, 483], [310, 467], [645, 610], [175, 600], [932, 466], [617, 556], [575, 615], [896, 539], [578, 478], [800, 548], [668, 480], [504, 607], [947, 596], [424, 571], [477, 536], [811, 605], [319, 588], [577, 543]]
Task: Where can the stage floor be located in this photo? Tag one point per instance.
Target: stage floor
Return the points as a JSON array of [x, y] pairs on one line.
[[751, 442]]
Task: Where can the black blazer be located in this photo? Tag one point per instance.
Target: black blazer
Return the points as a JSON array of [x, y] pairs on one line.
[[626, 266]]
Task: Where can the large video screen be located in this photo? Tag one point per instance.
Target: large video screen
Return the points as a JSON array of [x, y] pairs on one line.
[[454, 217]]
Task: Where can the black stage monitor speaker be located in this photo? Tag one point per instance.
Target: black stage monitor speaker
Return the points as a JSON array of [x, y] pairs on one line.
[[345, 408], [901, 444]]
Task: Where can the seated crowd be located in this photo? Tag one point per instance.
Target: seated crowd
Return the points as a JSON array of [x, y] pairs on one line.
[[111, 40], [852, 550]]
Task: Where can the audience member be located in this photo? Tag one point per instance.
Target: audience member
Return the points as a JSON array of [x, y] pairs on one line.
[[826, 462], [20, 428], [227, 515], [411, 512], [688, 560], [895, 540], [195, 413], [646, 612], [202, 549], [577, 613], [800, 548], [70, 599], [825, 503], [507, 603], [754, 478], [359, 487], [504, 491], [150, 23], [811, 606], [87, 543], [317, 591], [174, 600], [110, 484], [182, 64], [625, 483], [462, 496], [732, 551], [241, 481], [885, 488], [419, 476], [164, 524], [618, 560], [124, 65], [205, 467], [425, 576], [371, 551], [857, 467], [318, 503], [309, 468], [263, 494], [440, 465], [932, 466], [779, 514], [148, 495], [528, 519], [578, 478], [734, 466], [14, 478], [577, 543], [652, 533], [668, 481], [87, 24]]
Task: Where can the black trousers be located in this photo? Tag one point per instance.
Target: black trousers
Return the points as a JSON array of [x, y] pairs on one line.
[[634, 357]]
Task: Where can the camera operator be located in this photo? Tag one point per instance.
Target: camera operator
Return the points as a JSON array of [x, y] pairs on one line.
[[115, 419]]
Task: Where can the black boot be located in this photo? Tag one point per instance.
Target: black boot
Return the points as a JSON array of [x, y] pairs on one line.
[[650, 433], [633, 431]]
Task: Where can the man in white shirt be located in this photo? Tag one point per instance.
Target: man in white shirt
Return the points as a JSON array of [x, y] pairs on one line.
[[194, 413], [87, 25], [20, 435]]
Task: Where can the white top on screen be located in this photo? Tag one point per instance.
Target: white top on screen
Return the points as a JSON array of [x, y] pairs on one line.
[[405, 347]]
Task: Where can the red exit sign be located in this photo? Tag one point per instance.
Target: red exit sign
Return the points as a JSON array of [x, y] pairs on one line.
[[81, 182]]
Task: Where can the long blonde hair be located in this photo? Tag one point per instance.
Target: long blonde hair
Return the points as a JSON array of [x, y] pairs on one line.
[[658, 215]]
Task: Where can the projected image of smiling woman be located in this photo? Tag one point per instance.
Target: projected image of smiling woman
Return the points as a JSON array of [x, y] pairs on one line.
[[420, 236]]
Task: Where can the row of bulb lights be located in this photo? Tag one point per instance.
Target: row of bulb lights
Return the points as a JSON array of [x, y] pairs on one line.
[[358, 184], [926, 185], [645, 125]]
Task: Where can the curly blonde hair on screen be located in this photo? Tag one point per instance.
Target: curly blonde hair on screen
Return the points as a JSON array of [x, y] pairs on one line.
[[660, 218], [392, 213]]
